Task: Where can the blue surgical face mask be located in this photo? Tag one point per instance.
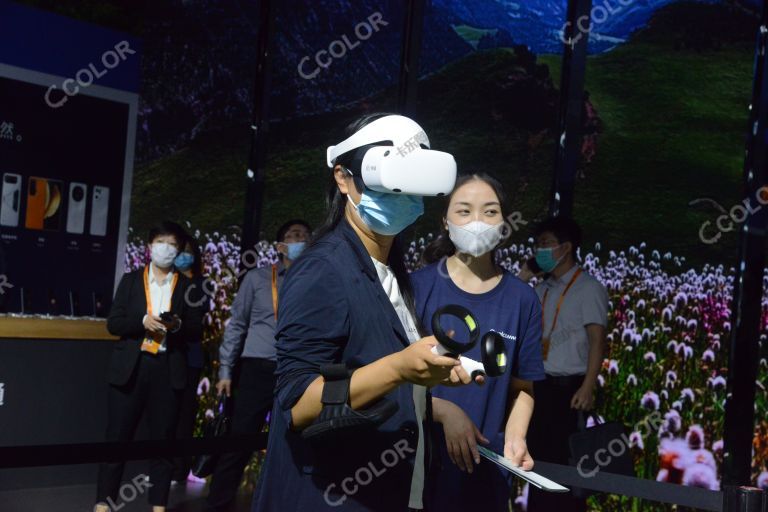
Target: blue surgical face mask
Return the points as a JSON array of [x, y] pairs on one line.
[[388, 214], [545, 258], [184, 261], [295, 249]]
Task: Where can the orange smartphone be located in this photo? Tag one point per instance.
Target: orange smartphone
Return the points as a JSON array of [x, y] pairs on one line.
[[37, 198]]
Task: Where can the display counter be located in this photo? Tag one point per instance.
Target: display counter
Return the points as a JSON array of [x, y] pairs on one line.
[[53, 389], [61, 328]]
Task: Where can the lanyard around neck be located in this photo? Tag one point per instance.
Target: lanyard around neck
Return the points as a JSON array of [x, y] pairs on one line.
[[274, 290], [147, 293], [559, 302]]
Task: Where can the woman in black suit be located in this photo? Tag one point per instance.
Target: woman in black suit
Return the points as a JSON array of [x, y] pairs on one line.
[[148, 368]]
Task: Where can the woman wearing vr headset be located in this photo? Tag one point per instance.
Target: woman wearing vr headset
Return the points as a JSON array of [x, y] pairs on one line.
[[463, 271], [348, 301]]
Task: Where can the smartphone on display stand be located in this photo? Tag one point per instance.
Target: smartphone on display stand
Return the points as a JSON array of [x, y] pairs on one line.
[[11, 200], [76, 208], [99, 210], [37, 193], [44, 204]]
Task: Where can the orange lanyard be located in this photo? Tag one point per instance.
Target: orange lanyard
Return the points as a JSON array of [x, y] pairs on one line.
[[559, 303], [147, 294], [274, 290]]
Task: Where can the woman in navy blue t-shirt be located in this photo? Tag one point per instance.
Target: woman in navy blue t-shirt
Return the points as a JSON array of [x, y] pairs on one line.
[[463, 271]]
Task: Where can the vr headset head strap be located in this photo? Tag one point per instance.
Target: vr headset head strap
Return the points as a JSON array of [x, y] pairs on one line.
[[392, 130]]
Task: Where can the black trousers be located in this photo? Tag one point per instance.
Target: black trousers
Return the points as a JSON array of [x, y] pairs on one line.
[[186, 424], [149, 389], [552, 423], [252, 397]]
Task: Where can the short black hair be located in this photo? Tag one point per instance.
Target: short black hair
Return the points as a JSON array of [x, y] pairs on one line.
[[286, 226], [565, 229], [197, 265], [167, 227]]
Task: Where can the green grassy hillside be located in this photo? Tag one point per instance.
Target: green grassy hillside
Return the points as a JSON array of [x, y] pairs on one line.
[[464, 109], [674, 131], [674, 104], [673, 118]]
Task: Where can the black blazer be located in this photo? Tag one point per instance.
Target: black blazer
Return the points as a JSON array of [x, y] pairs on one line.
[[125, 321]]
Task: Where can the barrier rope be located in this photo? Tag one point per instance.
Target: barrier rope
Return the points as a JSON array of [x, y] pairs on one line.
[[693, 497], [89, 453]]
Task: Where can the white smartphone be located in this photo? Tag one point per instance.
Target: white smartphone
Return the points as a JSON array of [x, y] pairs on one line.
[[11, 200], [76, 208], [99, 210]]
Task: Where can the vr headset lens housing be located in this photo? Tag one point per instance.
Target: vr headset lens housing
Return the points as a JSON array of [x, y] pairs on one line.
[[420, 173]]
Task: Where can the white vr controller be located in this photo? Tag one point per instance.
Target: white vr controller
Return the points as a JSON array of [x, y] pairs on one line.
[[472, 367], [492, 347], [392, 155]]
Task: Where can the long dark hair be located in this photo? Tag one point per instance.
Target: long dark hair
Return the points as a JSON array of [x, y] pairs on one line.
[[336, 203], [442, 247]]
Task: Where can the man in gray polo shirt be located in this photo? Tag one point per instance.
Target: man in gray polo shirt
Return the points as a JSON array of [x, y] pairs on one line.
[[574, 320], [247, 357]]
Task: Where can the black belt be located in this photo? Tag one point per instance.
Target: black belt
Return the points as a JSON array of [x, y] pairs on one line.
[[565, 380], [154, 356], [260, 361]]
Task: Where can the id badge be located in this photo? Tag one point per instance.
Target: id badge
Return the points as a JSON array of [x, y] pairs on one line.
[[150, 345], [544, 348]]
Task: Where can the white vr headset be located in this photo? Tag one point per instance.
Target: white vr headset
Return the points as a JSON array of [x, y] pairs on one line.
[[389, 154]]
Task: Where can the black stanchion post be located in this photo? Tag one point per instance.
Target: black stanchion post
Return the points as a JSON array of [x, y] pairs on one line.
[[744, 499], [748, 288], [569, 127], [254, 192], [409, 57]]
